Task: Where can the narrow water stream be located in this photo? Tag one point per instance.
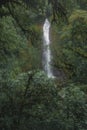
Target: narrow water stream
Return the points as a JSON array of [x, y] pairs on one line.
[[46, 50]]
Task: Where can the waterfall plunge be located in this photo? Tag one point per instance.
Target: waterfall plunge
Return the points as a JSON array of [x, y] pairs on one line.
[[46, 50]]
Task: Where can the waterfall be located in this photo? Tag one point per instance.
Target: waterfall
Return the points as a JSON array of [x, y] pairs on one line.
[[46, 50]]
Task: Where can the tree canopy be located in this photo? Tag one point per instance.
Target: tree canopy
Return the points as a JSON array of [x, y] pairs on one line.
[[29, 100]]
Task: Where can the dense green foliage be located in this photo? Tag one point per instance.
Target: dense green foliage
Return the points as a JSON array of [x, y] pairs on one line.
[[72, 49], [29, 100]]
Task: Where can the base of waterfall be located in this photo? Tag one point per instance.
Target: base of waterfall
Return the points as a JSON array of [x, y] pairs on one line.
[[51, 75]]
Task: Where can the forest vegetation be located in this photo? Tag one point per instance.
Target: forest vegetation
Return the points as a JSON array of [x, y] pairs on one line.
[[29, 100]]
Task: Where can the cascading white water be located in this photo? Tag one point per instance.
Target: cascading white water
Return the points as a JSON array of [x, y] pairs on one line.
[[46, 50]]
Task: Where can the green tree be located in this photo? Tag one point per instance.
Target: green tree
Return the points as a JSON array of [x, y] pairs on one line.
[[71, 51]]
